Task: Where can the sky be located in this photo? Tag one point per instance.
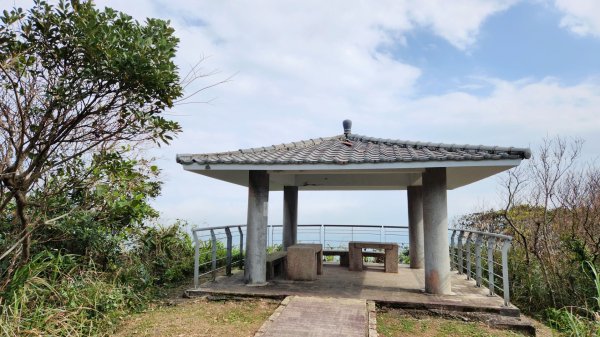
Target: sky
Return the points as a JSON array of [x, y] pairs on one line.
[[495, 72]]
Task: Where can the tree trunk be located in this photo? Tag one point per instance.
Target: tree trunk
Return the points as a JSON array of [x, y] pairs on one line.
[[21, 204]]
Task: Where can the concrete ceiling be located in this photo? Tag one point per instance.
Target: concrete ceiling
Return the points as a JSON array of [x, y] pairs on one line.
[[375, 176]]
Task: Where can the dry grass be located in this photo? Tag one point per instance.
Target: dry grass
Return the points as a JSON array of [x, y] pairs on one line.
[[396, 322], [201, 317]]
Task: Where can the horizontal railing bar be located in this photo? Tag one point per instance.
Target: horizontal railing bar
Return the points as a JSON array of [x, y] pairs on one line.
[[495, 235], [216, 227]]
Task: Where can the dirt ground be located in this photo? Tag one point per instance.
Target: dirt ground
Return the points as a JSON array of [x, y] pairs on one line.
[[200, 317], [397, 322]]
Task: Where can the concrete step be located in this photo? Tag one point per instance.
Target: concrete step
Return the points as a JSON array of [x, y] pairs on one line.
[[318, 316]]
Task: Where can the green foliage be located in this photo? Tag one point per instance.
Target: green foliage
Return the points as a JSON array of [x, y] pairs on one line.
[[274, 248], [77, 84], [85, 51], [107, 208], [166, 255], [60, 295], [404, 256]]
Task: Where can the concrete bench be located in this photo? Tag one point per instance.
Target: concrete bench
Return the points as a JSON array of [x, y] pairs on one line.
[[276, 265], [356, 254], [304, 262], [343, 254]]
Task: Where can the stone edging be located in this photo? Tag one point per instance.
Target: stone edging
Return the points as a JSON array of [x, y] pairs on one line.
[[372, 317], [263, 328]]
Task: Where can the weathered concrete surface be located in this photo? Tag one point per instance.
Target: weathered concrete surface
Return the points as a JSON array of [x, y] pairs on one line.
[[301, 263], [255, 271], [415, 226], [318, 316], [356, 254], [404, 289], [435, 227], [290, 216]]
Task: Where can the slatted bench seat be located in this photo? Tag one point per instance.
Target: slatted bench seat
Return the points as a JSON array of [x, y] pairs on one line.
[[276, 265]]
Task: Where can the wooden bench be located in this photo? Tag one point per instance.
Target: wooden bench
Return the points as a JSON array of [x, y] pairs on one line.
[[276, 265]]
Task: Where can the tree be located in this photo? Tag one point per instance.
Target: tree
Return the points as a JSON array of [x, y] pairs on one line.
[[75, 82]]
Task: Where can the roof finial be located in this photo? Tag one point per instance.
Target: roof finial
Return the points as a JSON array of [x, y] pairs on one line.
[[347, 127]]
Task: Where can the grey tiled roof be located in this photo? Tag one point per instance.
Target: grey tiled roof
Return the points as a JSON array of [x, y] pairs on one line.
[[355, 149]]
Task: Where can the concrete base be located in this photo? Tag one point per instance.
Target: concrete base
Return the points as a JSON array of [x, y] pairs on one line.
[[391, 260], [403, 289], [301, 263]]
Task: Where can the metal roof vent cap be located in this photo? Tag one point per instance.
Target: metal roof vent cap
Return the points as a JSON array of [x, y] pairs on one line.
[[347, 127]]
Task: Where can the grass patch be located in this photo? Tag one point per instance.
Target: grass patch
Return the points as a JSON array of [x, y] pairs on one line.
[[395, 322], [200, 317]]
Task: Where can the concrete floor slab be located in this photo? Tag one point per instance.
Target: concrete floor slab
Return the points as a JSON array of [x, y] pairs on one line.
[[404, 289]]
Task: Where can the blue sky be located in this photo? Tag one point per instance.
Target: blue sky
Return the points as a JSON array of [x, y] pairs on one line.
[[496, 72], [523, 41]]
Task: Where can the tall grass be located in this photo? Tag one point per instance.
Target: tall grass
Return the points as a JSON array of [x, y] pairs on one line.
[[579, 321], [58, 295]]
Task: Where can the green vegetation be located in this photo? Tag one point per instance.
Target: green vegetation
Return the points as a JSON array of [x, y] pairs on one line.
[[63, 294], [552, 210], [80, 90]]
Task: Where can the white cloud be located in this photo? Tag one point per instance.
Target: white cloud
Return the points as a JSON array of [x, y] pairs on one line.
[[582, 17], [302, 67], [456, 21]]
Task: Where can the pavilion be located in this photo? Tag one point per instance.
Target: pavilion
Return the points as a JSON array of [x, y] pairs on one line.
[[355, 162]]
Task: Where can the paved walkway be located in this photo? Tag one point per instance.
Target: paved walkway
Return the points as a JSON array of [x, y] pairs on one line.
[[318, 316]]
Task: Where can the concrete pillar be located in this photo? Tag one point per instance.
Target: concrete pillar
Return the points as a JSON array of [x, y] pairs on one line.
[[255, 270], [290, 216], [435, 227], [415, 226]]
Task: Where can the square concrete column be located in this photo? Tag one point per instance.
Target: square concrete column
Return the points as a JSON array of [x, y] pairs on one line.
[[435, 227], [290, 216], [415, 227], [255, 265]]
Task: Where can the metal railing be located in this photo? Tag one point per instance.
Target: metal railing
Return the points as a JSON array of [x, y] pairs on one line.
[[210, 244], [218, 248], [466, 252], [338, 236]]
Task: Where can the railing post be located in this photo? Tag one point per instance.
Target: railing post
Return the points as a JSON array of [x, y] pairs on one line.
[[324, 236], [491, 241], [214, 253], [469, 255], [241, 247], [196, 258], [452, 257], [381, 234], [320, 236], [461, 267], [506, 291], [229, 247], [478, 243]]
